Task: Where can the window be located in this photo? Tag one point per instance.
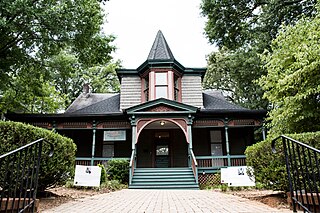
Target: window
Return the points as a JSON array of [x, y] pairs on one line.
[[216, 147], [146, 89], [108, 150], [176, 88], [161, 85]]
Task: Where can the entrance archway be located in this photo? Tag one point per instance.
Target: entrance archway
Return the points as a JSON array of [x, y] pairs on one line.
[[162, 143]]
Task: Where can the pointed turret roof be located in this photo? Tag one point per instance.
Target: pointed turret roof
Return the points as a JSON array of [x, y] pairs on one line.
[[160, 49]]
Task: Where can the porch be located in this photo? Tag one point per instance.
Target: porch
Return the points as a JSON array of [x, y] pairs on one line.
[[207, 164]]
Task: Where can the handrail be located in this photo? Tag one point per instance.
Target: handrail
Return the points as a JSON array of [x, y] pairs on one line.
[[19, 180], [219, 157], [131, 166], [293, 140], [303, 172], [27, 145], [131, 158], [193, 157], [194, 165]]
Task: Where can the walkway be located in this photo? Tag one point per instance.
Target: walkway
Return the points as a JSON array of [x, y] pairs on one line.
[[130, 200]]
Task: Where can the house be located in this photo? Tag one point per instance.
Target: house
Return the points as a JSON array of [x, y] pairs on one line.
[[162, 122]]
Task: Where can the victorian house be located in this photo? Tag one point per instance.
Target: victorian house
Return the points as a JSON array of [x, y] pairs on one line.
[[172, 132]]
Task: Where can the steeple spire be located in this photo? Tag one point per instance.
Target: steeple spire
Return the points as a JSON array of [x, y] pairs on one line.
[[160, 49]]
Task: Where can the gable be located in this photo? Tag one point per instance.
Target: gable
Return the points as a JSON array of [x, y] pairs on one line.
[[161, 105]]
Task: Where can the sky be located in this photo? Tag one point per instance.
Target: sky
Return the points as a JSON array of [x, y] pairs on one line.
[[136, 23]]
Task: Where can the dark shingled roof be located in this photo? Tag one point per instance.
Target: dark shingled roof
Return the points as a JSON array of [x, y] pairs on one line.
[[160, 49], [95, 104], [215, 101]]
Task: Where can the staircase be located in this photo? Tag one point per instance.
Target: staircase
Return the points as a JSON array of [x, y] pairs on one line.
[[163, 178]]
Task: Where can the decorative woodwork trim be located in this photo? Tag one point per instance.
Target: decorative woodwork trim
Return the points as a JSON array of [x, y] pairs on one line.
[[45, 125], [198, 123], [114, 124]]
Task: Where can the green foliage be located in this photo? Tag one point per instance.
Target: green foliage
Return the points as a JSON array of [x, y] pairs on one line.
[[53, 171], [269, 168], [112, 185], [69, 75], [243, 30], [292, 82], [103, 177], [118, 170], [235, 72], [32, 34], [238, 23]]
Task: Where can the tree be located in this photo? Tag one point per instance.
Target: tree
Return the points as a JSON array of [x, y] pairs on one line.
[[292, 82], [235, 73], [243, 30], [69, 75], [31, 32], [236, 23]]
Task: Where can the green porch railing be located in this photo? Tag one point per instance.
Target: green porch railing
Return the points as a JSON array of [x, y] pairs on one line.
[[87, 161], [216, 162]]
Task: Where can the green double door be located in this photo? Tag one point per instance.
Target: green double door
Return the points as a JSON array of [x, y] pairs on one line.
[[162, 154]]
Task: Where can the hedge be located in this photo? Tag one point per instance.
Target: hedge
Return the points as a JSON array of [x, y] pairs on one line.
[[53, 171], [118, 169], [269, 168]]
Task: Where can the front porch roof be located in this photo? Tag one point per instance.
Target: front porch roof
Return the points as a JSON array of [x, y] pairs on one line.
[[161, 105]]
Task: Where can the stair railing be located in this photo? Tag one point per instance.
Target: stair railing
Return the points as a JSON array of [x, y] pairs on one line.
[[194, 165], [19, 170], [132, 165], [303, 172]]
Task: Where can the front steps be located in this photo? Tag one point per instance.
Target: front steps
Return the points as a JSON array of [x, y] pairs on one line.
[[163, 178]]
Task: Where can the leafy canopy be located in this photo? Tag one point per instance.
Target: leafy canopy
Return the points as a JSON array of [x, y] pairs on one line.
[[32, 33], [292, 82], [243, 30]]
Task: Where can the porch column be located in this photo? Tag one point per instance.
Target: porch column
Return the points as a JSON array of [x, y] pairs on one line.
[[263, 133], [54, 126], [227, 141], [93, 142], [133, 122], [189, 131]]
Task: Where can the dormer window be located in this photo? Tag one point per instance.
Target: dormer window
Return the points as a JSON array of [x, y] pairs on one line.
[[161, 85]]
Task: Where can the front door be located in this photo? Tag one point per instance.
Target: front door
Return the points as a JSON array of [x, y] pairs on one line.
[[162, 159]]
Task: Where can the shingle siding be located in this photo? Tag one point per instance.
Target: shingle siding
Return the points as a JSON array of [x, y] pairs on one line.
[[130, 94], [192, 91]]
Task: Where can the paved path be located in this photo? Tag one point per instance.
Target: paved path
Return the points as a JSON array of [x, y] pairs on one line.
[[130, 200]]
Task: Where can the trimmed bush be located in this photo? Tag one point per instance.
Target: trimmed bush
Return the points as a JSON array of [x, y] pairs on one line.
[[118, 170], [53, 171], [103, 177], [269, 168]]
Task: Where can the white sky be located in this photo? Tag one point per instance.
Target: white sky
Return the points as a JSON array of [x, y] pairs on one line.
[[135, 23]]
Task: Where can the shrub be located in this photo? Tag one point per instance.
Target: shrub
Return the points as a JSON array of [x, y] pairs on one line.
[[103, 176], [53, 171], [269, 168], [118, 170]]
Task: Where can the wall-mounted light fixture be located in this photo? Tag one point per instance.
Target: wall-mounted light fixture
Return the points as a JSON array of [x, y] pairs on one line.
[[162, 123]]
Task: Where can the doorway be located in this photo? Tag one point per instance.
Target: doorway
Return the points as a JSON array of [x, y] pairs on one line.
[[162, 148], [162, 154]]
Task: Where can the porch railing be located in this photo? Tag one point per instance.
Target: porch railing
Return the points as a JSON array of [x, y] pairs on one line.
[[19, 177], [132, 166], [216, 162], [194, 165], [87, 161], [303, 171]]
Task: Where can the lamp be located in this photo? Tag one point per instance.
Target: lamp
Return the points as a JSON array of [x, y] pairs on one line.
[[162, 123]]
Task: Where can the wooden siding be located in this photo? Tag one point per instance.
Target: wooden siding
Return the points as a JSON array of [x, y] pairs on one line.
[[130, 91], [192, 91]]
